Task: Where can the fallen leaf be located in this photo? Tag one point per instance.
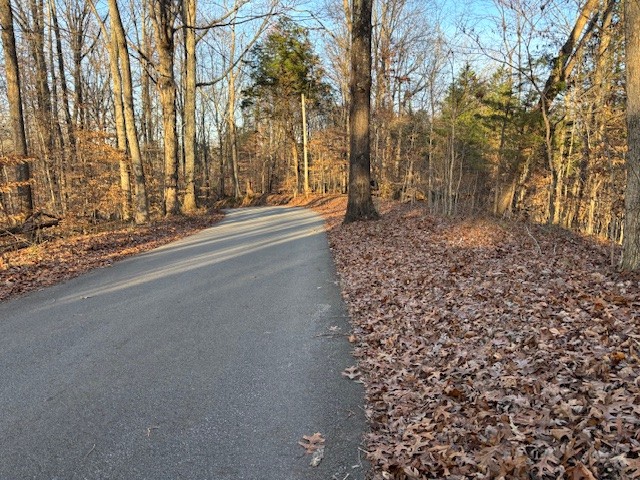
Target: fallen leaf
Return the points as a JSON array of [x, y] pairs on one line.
[[311, 442], [580, 472]]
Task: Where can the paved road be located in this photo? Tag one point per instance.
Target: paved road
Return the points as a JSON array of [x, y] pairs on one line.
[[205, 359]]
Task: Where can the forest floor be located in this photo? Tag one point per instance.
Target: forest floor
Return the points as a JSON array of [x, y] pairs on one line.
[[488, 349]]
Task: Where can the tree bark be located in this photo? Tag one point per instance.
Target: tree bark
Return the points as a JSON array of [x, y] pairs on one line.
[[121, 129], [43, 92], [15, 105], [360, 204], [44, 111], [75, 21], [118, 113], [163, 19], [141, 213], [63, 78], [631, 242], [71, 133], [148, 131]]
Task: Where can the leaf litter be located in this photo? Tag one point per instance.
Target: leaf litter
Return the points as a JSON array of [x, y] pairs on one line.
[[490, 350], [66, 256]]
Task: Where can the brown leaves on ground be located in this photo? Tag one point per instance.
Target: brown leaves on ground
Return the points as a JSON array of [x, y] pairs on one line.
[[311, 443], [492, 350], [60, 259]]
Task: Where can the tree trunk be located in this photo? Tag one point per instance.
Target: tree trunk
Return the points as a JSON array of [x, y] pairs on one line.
[[296, 164], [148, 133], [66, 108], [43, 92], [61, 141], [360, 204], [189, 14], [141, 213], [76, 24], [631, 243], [565, 61], [121, 130], [163, 19], [63, 77], [44, 112], [15, 105]]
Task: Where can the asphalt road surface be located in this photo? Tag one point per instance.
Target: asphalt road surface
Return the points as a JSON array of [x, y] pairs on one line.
[[208, 358]]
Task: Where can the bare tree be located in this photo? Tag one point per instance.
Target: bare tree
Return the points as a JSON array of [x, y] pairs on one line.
[[125, 114], [118, 115], [15, 105], [141, 213], [163, 16]]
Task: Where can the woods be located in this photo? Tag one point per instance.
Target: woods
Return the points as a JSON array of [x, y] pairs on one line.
[[478, 167], [517, 111], [155, 108]]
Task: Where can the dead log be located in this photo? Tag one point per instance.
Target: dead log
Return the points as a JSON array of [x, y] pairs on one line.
[[33, 224]]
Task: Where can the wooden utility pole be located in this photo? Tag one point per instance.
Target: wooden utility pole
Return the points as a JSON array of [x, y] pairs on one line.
[[304, 146], [231, 119], [189, 10]]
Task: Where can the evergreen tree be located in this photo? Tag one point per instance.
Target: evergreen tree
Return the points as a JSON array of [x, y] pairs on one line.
[[284, 70], [285, 66]]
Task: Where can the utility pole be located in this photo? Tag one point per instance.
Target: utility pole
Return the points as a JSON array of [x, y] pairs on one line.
[[304, 146]]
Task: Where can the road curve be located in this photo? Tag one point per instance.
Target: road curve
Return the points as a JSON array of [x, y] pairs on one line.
[[208, 358]]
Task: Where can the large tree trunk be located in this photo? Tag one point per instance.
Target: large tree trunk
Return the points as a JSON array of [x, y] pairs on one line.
[[43, 92], [631, 242], [148, 133], [163, 20], [76, 18], [71, 134], [15, 105], [189, 14], [360, 204], [63, 77], [141, 213], [61, 144], [296, 163], [121, 129], [44, 111]]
